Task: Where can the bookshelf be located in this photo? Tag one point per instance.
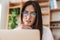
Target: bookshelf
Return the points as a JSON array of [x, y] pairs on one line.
[[47, 12], [50, 14], [55, 19], [55, 14], [45, 8]]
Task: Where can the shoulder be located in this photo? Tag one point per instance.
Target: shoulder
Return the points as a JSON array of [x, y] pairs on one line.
[[46, 28], [47, 34], [46, 31]]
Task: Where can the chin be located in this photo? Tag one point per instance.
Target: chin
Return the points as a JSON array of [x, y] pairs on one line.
[[28, 24]]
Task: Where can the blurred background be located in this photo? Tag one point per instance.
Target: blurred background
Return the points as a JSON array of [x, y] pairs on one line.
[[10, 14]]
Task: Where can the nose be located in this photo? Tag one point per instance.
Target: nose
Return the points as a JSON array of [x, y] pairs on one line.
[[28, 17]]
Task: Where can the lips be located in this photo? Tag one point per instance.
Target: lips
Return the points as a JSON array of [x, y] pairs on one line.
[[28, 21]]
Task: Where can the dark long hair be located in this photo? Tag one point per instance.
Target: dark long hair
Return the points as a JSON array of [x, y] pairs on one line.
[[38, 20]]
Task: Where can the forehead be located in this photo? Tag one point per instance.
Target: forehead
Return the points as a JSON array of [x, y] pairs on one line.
[[29, 8]]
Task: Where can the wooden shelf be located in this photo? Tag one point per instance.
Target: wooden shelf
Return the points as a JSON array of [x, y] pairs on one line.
[[55, 21], [54, 10], [14, 4], [45, 13], [45, 4], [45, 24], [55, 27], [14, 7], [42, 1]]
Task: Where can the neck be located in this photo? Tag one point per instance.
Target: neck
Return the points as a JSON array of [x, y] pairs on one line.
[[27, 27]]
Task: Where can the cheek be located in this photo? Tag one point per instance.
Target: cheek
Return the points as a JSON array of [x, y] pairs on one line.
[[24, 16], [32, 19]]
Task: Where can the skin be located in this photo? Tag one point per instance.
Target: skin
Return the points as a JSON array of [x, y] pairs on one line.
[[28, 20]]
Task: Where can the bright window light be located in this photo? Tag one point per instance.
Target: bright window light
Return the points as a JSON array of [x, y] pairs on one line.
[[0, 12]]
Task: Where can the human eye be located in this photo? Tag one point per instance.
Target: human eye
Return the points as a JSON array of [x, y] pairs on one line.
[[25, 13], [33, 14]]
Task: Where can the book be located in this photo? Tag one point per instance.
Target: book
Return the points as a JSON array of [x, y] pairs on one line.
[[53, 4]]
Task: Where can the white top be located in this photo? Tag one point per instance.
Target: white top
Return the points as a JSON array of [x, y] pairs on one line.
[[47, 34]]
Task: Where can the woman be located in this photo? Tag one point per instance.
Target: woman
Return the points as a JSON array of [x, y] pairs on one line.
[[31, 18]]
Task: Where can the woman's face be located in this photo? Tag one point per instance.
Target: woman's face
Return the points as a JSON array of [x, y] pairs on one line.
[[29, 15]]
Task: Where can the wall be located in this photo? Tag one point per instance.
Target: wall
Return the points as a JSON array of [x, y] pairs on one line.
[[4, 4], [0, 13]]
